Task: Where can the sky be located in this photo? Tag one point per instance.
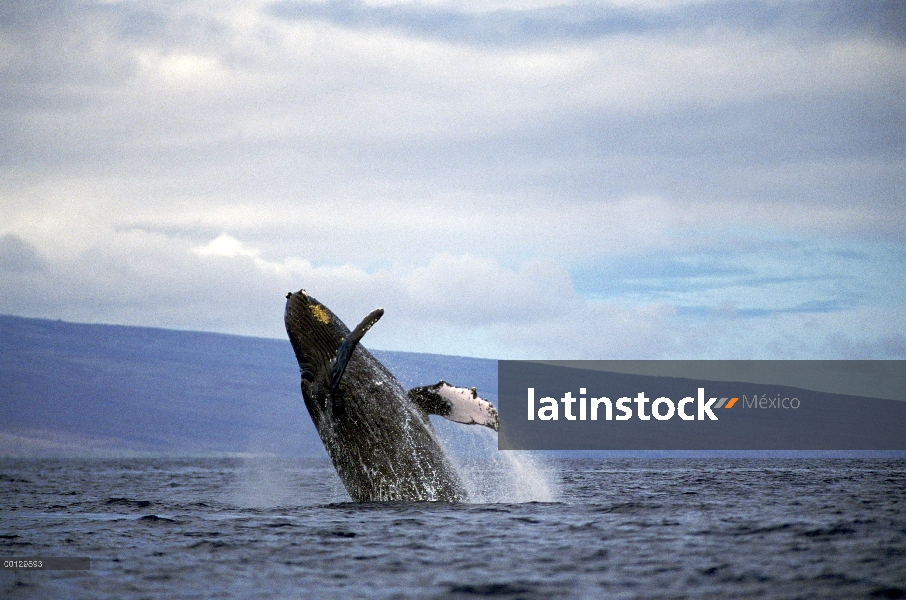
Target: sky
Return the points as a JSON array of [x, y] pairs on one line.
[[507, 179]]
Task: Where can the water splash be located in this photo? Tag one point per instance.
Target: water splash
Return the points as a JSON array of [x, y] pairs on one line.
[[265, 481], [261, 482], [493, 475]]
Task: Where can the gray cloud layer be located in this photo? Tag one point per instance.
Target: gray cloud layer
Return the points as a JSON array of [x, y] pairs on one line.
[[587, 21], [480, 171]]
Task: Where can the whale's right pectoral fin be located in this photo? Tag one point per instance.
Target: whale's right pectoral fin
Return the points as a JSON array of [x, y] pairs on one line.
[[462, 405], [344, 353]]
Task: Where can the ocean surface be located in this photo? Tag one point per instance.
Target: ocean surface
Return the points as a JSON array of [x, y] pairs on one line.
[[537, 528]]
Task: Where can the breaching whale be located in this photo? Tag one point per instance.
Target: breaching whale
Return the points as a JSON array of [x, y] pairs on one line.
[[377, 434]]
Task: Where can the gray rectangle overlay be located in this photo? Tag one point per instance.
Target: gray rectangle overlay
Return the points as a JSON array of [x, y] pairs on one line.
[[702, 405], [42, 563]]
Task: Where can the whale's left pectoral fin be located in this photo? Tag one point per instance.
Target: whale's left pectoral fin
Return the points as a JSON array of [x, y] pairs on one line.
[[344, 353], [462, 405]]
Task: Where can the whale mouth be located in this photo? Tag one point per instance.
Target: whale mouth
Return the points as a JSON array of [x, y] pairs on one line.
[[302, 292]]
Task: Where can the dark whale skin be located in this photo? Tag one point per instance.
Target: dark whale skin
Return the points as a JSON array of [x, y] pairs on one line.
[[382, 445]]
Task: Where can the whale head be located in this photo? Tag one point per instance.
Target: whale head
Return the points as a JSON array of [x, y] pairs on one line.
[[322, 343], [316, 334]]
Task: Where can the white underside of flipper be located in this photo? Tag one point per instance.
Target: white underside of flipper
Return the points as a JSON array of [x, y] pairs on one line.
[[467, 407]]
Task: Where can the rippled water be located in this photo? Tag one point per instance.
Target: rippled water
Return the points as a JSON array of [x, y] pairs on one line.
[[231, 528]]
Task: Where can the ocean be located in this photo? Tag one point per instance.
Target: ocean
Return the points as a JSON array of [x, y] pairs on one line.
[[537, 527]]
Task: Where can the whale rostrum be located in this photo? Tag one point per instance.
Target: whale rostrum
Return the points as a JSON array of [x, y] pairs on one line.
[[377, 434]]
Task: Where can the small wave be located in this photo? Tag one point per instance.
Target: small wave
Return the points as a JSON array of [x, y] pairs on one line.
[[155, 518], [129, 502]]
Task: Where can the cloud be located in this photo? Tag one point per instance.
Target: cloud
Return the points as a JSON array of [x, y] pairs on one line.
[[516, 178], [453, 304], [225, 245], [18, 256], [460, 290], [753, 275], [515, 23]]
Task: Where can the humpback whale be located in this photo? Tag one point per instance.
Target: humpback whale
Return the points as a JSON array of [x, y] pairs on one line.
[[377, 434]]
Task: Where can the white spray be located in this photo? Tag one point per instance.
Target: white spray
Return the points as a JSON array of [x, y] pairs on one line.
[[492, 475]]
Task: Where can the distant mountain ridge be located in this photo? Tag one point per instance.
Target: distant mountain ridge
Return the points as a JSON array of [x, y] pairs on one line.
[[84, 389]]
